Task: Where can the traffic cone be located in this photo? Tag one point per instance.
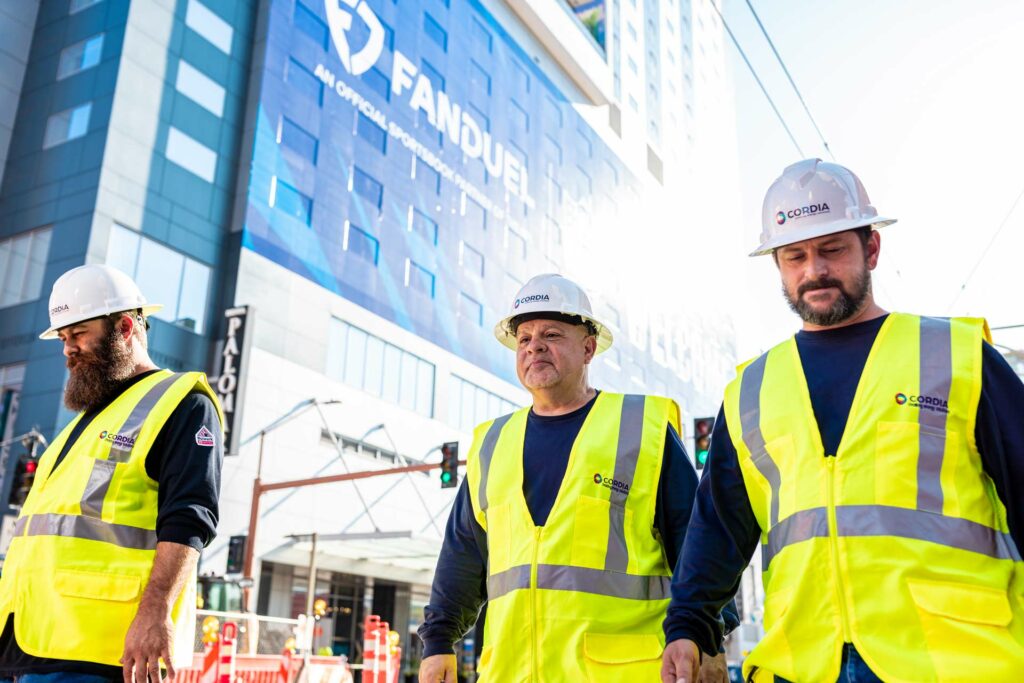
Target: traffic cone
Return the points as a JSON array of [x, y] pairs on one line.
[[226, 645], [284, 671], [371, 624]]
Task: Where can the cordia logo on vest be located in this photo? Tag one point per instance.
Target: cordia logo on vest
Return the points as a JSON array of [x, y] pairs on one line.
[[448, 117], [923, 402], [609, 483], [117, 439]]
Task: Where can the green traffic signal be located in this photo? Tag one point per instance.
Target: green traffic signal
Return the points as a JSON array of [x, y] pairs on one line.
[[446, 477]]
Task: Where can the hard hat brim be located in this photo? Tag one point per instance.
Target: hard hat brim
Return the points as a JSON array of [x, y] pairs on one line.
[[812, 231], [52, 332], [507, 339]]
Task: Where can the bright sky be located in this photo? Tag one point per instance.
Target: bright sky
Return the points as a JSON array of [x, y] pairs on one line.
[[922, 100]]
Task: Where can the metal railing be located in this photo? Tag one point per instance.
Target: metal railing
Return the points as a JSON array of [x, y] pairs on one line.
[[257, 634]]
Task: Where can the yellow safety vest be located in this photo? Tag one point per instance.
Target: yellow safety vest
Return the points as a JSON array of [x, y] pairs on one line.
[[85, 540], [897, 542], [581, 598]]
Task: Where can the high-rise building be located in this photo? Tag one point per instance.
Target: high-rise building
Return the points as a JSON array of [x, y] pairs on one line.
[[366, 183]]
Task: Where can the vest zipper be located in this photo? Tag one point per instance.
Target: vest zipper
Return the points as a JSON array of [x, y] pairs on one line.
[[833, 538], [534, 609]]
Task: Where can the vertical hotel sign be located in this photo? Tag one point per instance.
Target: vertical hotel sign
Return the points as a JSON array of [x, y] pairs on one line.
[[230, 384]]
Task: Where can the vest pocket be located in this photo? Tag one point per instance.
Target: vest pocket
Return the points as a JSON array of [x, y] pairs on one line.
[[622, 658], [98, 586], [965, 629]]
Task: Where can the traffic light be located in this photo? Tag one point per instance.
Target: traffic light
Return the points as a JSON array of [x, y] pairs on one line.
[[450, 465], [24, 475], [702, 440], [236, 554]]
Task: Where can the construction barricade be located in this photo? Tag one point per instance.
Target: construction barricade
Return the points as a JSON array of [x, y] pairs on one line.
[[382, 657]]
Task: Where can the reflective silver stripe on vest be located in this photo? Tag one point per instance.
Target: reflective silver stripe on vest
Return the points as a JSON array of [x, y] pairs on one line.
[[103, 470], [88, 528], [750, 424], [20, 525], [514, 578], [800, 526], [119, 451], [486, 453], [954, 532], [884, 520], [581, 580], [631, 426], [600, 582], [935, 381]]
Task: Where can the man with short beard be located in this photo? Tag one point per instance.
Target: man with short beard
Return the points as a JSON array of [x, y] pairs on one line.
[[99, 581], [877, 459], [571, 516]]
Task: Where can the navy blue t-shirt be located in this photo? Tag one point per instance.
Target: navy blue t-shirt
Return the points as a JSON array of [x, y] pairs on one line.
[[724, 533], [460, 581]]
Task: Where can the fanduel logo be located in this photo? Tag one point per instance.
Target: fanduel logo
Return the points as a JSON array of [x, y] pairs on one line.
[[449, 118], [340, 22], [531, 299]]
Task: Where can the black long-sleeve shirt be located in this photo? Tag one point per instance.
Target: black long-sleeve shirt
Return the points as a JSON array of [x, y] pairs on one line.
[[188, 475], [460, 581], [724, 533]]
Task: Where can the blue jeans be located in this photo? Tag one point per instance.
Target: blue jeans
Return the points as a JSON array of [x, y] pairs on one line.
[[852, 670], [59, 677]]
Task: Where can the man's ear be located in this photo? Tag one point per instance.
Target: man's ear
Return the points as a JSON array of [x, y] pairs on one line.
[[126, 326], [589, 348]]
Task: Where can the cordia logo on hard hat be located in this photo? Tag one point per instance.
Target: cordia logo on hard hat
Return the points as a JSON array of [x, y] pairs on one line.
[[531, 299], [802, 212], [63, 308]]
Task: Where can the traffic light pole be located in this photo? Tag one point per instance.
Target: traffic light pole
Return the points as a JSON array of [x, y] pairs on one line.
[[259, 488]]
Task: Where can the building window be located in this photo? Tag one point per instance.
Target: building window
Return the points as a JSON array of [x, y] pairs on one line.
[[309, 23], [304, 81], [435, 32], [427, 176], [470, 404], [515, 243], [203, 21], [520, 77], [419, 279], [475, 214], [471, 260], [77, 6], [191, 155], [67, 125], [481, 36], [479, 79], [290, 201], [553, 149], [22, 262], [519, 115], [424, 226], [632, 65], [361, 243], [80, 56], [369, 363], [164, 275], [372, 133], [554, 231], [471, 310], [433, 75], [378, 82], [367, 187], [200, 88], [552, 112], [291, 136], [481, 118]]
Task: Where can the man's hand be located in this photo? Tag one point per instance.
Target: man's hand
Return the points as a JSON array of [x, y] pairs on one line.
[[714, 670], [149, 638], [437, 668], [679, 664]]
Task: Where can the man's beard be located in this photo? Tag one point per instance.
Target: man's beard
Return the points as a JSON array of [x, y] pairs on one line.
[[843, 308], [96, 377]]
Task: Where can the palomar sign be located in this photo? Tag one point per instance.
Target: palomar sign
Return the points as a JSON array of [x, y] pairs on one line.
[[448, 117]]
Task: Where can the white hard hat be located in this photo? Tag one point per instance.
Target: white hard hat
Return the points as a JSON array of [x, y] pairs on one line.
[[551, 293], [91, 291], [813, 198]]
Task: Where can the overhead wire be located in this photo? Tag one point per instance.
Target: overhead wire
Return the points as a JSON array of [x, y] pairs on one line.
[[757, 78], [995, 235], [792, 82]]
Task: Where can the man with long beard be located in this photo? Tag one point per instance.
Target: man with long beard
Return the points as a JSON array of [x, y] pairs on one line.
[[877, 458], [99, 581]]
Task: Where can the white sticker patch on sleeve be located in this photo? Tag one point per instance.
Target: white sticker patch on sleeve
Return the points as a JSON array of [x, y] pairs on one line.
[[204, 437]]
